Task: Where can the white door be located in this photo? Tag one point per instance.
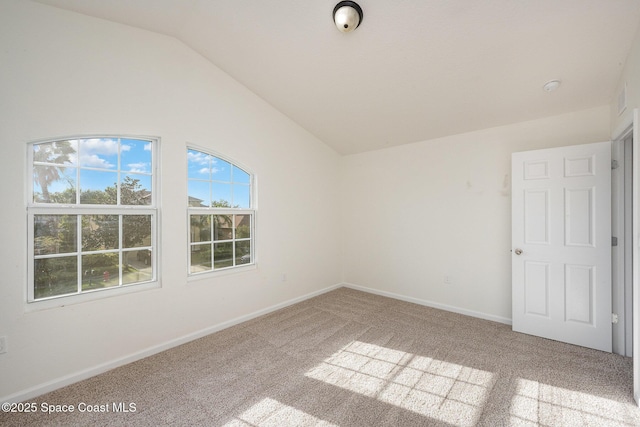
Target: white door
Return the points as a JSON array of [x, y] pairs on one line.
[[561, 236]]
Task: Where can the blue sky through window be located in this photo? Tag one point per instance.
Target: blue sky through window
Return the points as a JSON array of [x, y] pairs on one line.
[[94, 161], [212, 179]]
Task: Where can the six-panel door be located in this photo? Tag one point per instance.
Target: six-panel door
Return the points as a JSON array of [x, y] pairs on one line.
[[561, 236]]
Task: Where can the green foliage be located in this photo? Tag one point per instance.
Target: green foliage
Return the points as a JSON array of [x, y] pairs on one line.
[[68, 196], [132, 193], [223, 204], [55, 276], [54, 234], [98, 197], [100, 232], [243, 232]]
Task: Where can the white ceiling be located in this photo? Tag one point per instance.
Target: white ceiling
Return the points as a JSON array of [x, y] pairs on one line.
[[413, 70]]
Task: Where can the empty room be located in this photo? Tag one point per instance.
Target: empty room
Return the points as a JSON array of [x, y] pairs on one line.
[[336, 213]]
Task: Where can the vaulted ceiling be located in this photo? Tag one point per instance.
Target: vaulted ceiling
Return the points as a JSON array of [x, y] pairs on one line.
[[413, 70]]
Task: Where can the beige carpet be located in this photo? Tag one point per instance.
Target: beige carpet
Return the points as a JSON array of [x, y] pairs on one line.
[[348, 358]]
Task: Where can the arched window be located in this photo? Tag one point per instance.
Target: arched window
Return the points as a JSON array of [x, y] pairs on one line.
[[221, 213], [92, 215]]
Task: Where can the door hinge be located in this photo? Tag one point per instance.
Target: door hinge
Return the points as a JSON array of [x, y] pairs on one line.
[[615, 164], [614, 241], [614, 318]]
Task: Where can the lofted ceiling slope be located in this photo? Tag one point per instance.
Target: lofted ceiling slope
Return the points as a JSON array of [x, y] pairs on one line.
[[413, 70]]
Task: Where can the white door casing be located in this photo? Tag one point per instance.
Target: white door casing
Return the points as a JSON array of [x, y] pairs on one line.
[[636, 254], [561, 237]]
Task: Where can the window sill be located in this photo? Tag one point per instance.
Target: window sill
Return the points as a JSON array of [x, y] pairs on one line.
[[99, 294], [196, 277]]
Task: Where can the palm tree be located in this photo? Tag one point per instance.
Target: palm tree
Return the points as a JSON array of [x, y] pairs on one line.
[[52, 152]]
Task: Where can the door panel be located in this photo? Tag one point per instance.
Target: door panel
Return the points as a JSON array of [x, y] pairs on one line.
[[561, 226], [536, 288]]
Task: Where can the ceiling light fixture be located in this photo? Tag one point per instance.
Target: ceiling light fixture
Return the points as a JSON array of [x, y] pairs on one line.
[[347, 15], [552, 85]]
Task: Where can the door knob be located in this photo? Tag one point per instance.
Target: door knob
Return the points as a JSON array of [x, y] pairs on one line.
[[518, 251]]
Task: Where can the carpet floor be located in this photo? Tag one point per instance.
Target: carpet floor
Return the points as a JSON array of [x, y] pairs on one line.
[[349, 358]]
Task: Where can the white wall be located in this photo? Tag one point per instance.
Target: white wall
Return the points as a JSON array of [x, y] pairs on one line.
[[417, 213], [64, 74]]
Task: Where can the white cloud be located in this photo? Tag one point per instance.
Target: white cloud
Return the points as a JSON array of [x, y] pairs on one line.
[[198, 157], [205, 171], [140, 167], [94, 161], [94, 152], [108, 147]]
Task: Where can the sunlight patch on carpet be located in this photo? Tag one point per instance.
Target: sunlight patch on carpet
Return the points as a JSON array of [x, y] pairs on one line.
[[271, 413], [433, 388], [536, 403]]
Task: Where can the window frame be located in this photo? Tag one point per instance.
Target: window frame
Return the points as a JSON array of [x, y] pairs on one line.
[[251, 211], [78, 210]]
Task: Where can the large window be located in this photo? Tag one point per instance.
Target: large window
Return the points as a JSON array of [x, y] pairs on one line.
[[92, 215], [221, 214]]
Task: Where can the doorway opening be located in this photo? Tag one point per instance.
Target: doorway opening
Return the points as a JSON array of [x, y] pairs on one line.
[[622, 243]]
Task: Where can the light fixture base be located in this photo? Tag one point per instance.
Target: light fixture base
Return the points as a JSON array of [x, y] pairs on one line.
[[347, 15], [551, 85]]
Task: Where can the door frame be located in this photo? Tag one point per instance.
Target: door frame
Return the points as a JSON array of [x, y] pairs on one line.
[[631, 127], [621, 254]]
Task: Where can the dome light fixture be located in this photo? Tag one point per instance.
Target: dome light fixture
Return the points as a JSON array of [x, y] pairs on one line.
[[551, 85], [347, 16]]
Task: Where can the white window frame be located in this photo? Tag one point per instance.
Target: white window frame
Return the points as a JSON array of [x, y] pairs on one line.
[[77, 209], [251, 211]]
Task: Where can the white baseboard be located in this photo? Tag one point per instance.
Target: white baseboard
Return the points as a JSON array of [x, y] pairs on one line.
[[431, 304], [41, 389]]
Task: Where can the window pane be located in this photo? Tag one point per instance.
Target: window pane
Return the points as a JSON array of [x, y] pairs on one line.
[[222, 227], [136, 230], [221, 195], [198, 164], [100, 232], [99, 153], [199, 194], [55, 276], [135, 190], [243, 252], [54, 184], [136, 266], [241, 197], [243, 226], [220, 170], [200, 258], [240, 176], [223, 255], [98, 188], [135, 155], [54, 234], [200, 228], [54, 177], [99, 271]]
